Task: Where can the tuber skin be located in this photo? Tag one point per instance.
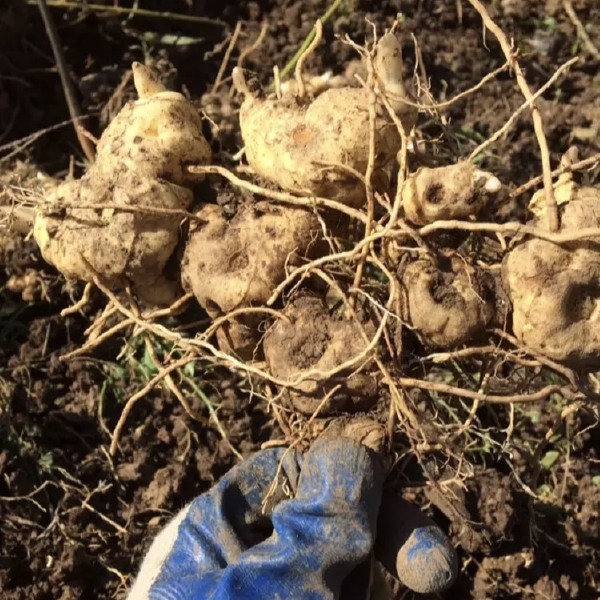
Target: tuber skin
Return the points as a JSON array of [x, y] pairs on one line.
[[237, 263], [445, 308], [456, 191], [555, 290], [141, 160], [303, 137], [310, 338], [389, 66]]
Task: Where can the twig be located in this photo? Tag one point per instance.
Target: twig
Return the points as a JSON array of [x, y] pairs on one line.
[[136, 12], [178, 364], [120, 529], [248, 310], [63, 71], [581, 32], [232, 42], [289, 67], [170, 381], [514, 228], [444, 388], [567, 373], [96, 338], [151, 210], [22, 143], [553, 215], [455, 99], [567, 168], [304, 56], [159, 366], [213, 413], [81, 303], [372, 101], [310, 201], [527, 104], [253, 47], [30, 496]]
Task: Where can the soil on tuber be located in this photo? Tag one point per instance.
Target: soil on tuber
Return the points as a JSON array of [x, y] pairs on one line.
[[313, 340]]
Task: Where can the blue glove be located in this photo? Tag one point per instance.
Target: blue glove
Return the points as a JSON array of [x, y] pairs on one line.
[[231, 544]]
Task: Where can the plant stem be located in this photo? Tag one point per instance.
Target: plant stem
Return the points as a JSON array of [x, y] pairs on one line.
[[136, 12], [67, 84], [289, 67]]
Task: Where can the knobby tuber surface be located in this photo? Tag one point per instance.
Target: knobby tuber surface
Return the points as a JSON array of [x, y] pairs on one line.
[[230, 264], [140, 162], [446, 308], [555, 290], [456, 191], [312, 339], [306, 145]]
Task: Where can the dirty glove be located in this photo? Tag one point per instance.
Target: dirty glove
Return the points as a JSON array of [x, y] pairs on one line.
[[244, 540]]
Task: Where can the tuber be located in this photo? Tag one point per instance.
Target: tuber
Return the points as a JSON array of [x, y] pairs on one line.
[[140, 163], [313, 147], [555, 289], [312, 339], [456, 191], [230, 264], [446, 307]]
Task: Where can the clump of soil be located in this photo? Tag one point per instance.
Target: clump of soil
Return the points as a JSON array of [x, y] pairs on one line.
[[310, 347]]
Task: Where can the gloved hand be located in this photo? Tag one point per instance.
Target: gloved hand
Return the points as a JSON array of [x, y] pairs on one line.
[[232, 544]]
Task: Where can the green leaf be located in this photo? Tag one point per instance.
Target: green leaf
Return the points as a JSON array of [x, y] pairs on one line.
[[544, 491], [549, 459], [46, 461], [190, 369]]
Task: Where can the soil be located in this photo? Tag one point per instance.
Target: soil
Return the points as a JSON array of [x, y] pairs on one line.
[[74, 523]]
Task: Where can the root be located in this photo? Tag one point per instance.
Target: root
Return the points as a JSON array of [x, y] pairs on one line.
[[553, 218], [304, 56]]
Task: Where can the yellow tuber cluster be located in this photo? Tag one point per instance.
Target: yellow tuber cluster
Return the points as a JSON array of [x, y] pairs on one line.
[[103, 224]]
